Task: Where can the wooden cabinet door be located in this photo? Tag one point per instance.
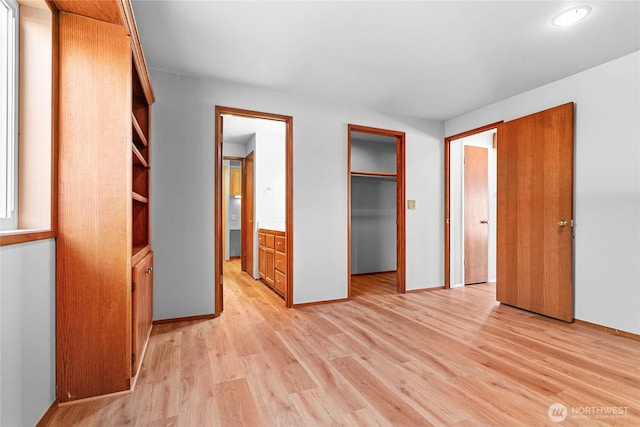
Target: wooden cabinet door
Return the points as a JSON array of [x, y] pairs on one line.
[[269, 265], [262, 261], [535, 213], [235, 182], [142, 308]]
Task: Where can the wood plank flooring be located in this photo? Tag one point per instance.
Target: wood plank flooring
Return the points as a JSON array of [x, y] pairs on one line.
[[444, 358]]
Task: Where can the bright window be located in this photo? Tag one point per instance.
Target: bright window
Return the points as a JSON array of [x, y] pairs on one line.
[[28, 66], [8, 113]]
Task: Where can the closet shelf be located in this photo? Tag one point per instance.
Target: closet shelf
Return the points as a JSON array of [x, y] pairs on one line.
[[138, 252], [139, 198], [138, 156], [374, 174], [138, 130]]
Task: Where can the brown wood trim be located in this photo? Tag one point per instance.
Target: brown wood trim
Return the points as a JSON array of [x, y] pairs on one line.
[[44, 420], [218, 222], [612, 331], [23, 236], [288, 120], [400, 204], [474, 131], [447, 195], [130, 26], [184, 319], [401, 213], [349, 212], [417, 291], [331, 301], [55, 100], [447, 214], [94, 398]]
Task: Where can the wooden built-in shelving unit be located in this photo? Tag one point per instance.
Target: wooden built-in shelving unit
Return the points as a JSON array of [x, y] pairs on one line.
[[104, 289]]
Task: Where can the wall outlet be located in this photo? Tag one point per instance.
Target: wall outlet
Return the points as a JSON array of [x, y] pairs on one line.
[[411, 204]]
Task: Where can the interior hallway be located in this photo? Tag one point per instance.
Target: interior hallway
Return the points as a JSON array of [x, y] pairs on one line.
[[445, 357]]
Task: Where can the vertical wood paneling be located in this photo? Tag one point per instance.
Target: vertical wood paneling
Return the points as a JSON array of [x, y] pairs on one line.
[[93, 301]]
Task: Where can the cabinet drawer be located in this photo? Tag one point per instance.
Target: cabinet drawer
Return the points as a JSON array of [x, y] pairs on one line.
[[280, 282], [281, 262], [270, 241], [261, 239], [281, 244]]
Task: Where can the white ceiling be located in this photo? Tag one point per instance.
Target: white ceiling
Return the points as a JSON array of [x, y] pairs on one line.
[[429, 59]]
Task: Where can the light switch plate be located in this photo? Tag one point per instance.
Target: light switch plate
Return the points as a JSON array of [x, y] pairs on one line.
[[411, 204]]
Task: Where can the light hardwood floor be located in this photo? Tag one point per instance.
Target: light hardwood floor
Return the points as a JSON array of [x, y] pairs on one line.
[[445, 358]]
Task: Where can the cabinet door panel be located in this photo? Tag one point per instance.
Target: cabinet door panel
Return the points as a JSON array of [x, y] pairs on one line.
[[142, 311], [269, 265]]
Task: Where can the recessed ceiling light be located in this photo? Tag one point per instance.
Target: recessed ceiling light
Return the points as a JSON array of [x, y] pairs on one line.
[[571, 16]]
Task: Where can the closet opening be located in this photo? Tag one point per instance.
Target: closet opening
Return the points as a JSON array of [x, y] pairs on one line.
[[376, 216], [471, 207], [253, 198]]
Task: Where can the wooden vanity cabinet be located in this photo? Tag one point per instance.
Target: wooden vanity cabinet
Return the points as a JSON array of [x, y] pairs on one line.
[[272, 259]]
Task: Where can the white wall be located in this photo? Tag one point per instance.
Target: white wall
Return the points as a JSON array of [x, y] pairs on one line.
[[270, 178], [607, 182], [484, 139], [373, 224], [27, 331], [373, 156], [183, 178]]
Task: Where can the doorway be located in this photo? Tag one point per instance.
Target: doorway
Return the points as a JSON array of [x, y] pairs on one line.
[[280, 195], [472, 218], [376, 215], [233, 196], [454, 230], [534, 259]]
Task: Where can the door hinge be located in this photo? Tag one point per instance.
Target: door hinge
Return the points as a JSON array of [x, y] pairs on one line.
[[133, 358], [572, 223]]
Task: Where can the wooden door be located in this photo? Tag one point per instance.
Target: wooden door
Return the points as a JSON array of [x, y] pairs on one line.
[[535, 213], [476, 215], [247, 214]]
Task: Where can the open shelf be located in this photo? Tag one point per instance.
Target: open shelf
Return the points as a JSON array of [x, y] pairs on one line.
[[138, 159], [138, 134], [138, 252], [379, 174], [139, 198]]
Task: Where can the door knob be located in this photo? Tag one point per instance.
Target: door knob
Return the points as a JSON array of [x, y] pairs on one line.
[[563, 223], [484, 221]]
